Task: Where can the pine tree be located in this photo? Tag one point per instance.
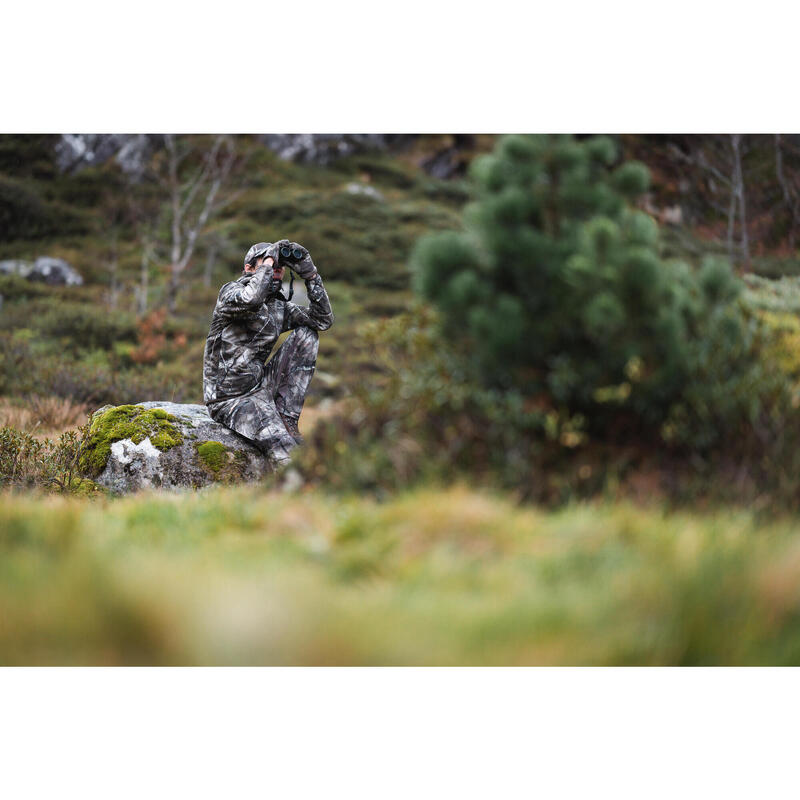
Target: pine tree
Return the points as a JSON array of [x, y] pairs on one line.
[[557, 283]]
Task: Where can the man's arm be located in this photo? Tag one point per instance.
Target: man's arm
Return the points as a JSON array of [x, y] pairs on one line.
[[318, 315], [235, 298]]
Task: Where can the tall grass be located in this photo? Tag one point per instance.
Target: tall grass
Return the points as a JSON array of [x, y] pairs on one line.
[[42, 415], [237, 576]]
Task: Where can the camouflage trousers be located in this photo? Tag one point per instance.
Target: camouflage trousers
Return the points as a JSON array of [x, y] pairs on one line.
[[257, 414]]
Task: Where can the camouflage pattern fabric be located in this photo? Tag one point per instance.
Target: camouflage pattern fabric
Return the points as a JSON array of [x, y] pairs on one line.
[[240, 390]]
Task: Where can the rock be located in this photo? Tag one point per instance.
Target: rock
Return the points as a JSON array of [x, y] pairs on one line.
[[452, 161], [363, 189], [16, 267], [168, 446], [324, 148], [53, 271], [76, 151]]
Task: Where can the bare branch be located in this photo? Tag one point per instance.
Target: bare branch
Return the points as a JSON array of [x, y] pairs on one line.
[[202, 174], [223, 171], [193, 196]]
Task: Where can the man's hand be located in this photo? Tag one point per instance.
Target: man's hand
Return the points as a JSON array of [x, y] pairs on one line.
[[305, 267], [273, 254]]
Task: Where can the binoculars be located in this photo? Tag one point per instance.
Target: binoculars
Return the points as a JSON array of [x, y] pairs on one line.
[[292, 253]]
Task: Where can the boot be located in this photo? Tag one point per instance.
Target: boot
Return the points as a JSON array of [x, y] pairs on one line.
[[291, 425]]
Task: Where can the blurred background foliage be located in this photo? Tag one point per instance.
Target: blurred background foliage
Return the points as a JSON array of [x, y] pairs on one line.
[[519, 319], [558, 287]]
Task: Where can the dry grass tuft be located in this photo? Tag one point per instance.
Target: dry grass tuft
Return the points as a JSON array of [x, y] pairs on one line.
[[42, 416]]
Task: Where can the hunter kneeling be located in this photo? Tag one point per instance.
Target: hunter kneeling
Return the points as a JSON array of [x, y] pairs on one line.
[[262, 401]]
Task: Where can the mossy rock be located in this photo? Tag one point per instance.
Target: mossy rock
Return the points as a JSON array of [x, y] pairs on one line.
[[127, 422], [168, 446]]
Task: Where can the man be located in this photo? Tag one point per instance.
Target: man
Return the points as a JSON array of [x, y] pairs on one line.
[[262, 401]]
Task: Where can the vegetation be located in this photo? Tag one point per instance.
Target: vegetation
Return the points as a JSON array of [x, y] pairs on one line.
[[54, 465], [557, 286], [230, 576], [225, 465], [684, 383]]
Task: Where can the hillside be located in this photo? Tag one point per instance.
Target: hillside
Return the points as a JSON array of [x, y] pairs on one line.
[[359, 217]]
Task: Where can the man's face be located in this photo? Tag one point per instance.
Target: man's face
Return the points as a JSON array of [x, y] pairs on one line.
[[277, 272]]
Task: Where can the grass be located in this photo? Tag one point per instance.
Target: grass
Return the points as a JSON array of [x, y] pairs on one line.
[[42, 416], [237, 576]]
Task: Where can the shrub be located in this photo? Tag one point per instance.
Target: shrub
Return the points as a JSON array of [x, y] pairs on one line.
[[28, 155], [51, 465], [28, 366], [557, 284], [414, 414], [25, 215], [85, 331], [421, 417], [13, 287]]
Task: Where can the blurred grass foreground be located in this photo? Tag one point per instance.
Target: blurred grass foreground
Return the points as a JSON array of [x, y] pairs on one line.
[[237, 576]]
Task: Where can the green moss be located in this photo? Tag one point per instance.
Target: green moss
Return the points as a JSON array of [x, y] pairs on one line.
[[214, 456], [127, 422], [84, 487], [222, 463]]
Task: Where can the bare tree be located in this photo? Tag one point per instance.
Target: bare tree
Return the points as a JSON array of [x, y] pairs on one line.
[[146, 239], [114, 289], [737, 192], [788, 191], [213, 244], [720, 157], [193, 200], [114, 215]]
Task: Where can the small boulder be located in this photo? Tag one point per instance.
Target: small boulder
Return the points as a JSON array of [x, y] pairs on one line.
[[363, 189], [52, 271], [168, 446], [325, 148], [15, 266], [55, 272]]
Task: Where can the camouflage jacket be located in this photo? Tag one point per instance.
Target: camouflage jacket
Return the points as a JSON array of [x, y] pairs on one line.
[[248, 318]]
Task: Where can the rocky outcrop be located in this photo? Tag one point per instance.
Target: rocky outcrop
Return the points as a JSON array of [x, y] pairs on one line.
[[451, 161], [75, 151], [324, 148], [15, 266], [53, 271], [168, 446]]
